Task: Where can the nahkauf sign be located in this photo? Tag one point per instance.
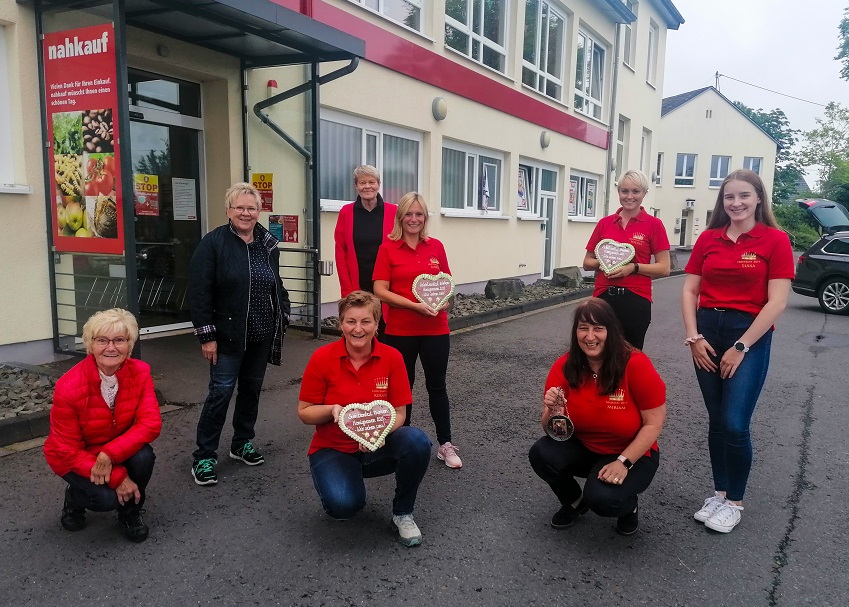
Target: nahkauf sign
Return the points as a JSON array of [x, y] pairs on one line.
[[81, 101]]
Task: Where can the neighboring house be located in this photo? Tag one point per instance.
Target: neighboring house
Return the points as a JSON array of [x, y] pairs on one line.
[[703, 137], [512, 118]]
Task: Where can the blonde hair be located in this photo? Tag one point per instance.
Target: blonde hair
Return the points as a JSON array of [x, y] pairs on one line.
[[237, 189], [407, 200], [109, 321], [366, 170], [359, 299], [637, 177]]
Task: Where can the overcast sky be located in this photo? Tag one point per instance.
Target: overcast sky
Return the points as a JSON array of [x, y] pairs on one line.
[[781, 45]]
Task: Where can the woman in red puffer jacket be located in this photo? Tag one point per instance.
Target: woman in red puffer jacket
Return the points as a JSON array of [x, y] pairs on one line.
[[104, 417]]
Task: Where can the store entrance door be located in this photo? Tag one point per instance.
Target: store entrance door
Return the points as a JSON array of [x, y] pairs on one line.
[[167, 171]]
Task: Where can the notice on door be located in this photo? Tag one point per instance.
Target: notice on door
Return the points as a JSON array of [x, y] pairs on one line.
[[185, 199], [146, 192], [284, 227], [264, 183], [81, 102]]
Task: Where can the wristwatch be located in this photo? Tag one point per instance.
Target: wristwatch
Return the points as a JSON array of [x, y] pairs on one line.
[[636, 268], [741, 347], [626, 462]]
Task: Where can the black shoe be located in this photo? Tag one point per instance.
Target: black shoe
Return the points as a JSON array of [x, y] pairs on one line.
[[133, 525], [73, 517], [247, 453], [628, 524], [568, 515]]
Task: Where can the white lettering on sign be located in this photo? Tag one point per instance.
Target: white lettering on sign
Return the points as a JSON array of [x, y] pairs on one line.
[[78, 48]]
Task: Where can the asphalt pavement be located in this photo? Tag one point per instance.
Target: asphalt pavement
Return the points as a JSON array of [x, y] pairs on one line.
[[260, 536]]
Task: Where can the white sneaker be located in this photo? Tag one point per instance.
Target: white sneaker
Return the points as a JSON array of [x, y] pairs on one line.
[[408, 531], [448, 454], [711, 505], [726, 517]]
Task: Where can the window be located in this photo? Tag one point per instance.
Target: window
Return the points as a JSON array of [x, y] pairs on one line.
[[7, 169], [719, 166], [544, 42], [347, 142], [476, 28], [838, 246], [753, 163], [685, 170], [471, 179], [583, 190], [537, 188], [645, 151], [659, 170], [628, 48], [589, 76], [622, 136], [651, 63], [407, 12]]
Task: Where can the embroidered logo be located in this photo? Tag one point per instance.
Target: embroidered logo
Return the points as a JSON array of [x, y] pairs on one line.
[[381, 387], [638, 236], [616, 400], [749, 259]]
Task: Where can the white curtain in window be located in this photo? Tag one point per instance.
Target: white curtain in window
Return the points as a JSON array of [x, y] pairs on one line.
[[400, 167], [453, 178], [341, 151]]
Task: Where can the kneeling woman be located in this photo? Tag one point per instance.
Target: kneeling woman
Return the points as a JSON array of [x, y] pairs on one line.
[[359, 369], [104, 417], [617, 403]]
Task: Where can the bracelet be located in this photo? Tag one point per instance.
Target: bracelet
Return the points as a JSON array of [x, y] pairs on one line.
[[636, 268], [691, 340]]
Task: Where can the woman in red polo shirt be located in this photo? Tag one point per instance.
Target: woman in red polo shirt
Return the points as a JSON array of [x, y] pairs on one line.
[[359, 369], [617, 404], [628, 289], [413, 327], [738, 281]]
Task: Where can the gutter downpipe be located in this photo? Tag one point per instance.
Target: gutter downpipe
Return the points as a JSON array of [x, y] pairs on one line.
[[612, 120]]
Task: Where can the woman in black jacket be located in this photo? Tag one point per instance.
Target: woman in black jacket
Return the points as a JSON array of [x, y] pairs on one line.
[[240, 311]]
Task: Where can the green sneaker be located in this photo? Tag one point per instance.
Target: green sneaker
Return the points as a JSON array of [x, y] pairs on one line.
[[248, 454], [203, 471]]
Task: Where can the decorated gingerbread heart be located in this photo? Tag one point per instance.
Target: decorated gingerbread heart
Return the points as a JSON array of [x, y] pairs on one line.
[[612, 255], [434, 289], [368, 423]]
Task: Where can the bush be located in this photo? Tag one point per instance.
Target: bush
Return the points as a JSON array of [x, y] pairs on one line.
[[798, 224]]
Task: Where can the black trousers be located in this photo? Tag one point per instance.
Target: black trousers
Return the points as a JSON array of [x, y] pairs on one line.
[[633, 312], [558, 463], [101, 498]]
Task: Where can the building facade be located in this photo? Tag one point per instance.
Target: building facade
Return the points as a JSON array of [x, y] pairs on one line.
[[511, 117]]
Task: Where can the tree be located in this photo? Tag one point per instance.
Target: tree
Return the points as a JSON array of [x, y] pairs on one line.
[[788, 170], [843, 49], [828, 145]]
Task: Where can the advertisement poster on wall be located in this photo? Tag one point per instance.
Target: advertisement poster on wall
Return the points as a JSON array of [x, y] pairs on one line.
[[264, 183], [146, 191], [85, 178]]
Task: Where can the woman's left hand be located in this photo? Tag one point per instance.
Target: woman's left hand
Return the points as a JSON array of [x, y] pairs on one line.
[[128, 491], [613, 473], [622, 272], [101, 472], [729, 363]]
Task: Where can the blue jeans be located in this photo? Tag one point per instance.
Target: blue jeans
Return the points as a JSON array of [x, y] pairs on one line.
[[731, 402], [248, 368], [102, 498], [338, 476]]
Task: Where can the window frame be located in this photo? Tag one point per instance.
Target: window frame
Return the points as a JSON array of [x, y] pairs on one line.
[[652, 52], [747, 162], [380, 10], [7, 168], [484, 42], [578, 198], [472, 208], [629, 37], [645, 150], [542, 77], [623, 136], [535, 192], [371, 128], [716, 162], [583, 101], [658, 177], [683, 176]]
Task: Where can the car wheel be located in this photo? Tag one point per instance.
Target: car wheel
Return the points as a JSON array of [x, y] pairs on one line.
[[834, 296]]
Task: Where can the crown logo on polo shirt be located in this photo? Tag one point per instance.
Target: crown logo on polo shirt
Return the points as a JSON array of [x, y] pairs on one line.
[[749, 256], [617, 397], [638, 236], [381, 383]]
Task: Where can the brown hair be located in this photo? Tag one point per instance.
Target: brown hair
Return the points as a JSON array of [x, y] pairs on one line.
[[763, 212], [615, 355], [407, 200], [359, 299]]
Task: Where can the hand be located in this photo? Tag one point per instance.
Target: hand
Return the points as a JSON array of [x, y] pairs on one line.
[[128, 491], [424, 309], [101, 472], [551, 398], [702, 352], [335, 410], [613, 473], [622, 272], [729, 362], [210, 351]]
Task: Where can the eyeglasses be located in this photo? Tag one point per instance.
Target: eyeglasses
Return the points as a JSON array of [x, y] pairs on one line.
[[248, 210], [117, 342]]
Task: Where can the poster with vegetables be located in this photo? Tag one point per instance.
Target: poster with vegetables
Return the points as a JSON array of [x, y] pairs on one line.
[[85, 181]]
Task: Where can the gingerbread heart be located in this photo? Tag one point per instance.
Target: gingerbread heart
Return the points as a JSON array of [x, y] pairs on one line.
[[368, 423], [612, 255], [434, 289]]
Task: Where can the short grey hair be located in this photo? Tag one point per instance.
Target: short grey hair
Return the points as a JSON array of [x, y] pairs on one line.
[[237, 189], [107, 321], [366, 170], [637, 177]]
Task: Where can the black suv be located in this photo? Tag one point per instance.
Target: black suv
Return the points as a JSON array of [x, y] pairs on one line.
[[823, 272]]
